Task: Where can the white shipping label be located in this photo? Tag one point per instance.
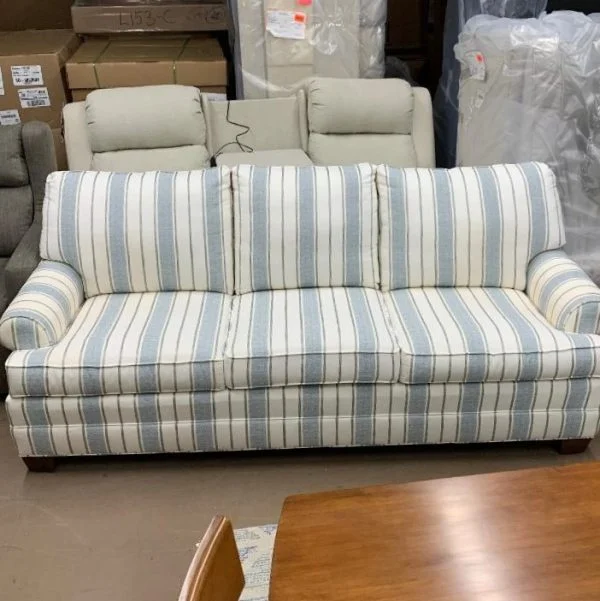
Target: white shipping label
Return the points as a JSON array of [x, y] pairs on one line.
[[27, 75], [287, 24], [1, 84], [476, 63], [34, 97], [10, 117]]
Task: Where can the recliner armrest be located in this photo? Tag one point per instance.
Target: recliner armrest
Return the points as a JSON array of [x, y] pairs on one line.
[[43, 310], [564, 293], [77, 139]]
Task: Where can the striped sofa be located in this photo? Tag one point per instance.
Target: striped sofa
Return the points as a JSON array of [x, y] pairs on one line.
[[285, 307]]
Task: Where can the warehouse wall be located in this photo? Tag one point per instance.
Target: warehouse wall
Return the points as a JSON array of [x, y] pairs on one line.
[[35, 14]]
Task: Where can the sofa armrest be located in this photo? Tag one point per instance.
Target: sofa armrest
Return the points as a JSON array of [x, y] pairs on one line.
[[43, 310], [24, 260], [564, 293]]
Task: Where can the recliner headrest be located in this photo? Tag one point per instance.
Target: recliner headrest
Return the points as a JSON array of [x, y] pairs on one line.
[[145, 117], [360, 106]]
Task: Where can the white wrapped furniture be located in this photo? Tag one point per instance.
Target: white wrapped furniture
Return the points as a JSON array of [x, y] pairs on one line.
[[529, 91], [281, 44], [298, 307]]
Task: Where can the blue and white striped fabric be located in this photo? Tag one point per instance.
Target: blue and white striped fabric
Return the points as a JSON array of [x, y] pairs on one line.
[[484, 335], [141, 232], [306, 416], [468, 226], [130, 343], [43, 309], [305, 227], [564, 293], [310, 336]]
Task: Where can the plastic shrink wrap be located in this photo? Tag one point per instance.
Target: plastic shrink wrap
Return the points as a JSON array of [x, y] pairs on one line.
[[530, 90], [458, 12], [279, 44]]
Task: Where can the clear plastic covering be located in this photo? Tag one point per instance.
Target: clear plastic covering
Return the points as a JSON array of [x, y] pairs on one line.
[[278, 44], [458, 12], [530, 90]]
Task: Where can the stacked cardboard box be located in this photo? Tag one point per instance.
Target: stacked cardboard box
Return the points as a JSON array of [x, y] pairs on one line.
[[32, 78], [147, 60], [111, 16]]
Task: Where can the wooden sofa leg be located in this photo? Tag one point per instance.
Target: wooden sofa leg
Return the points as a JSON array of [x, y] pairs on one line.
[[40, 464], [573, 446]]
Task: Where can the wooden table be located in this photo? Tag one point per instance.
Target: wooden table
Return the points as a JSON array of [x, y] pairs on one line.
[[530, 535]]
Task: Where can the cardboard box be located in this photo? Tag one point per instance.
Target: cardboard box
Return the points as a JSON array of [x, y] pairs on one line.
[[113, 16], [81, 95], [114, 63], [60, 149], [33, 14], [32, 79]]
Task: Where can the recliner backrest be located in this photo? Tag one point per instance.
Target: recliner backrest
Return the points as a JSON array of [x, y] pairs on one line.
[[137, 129], [369, 120], [16, 197], [270, 124]]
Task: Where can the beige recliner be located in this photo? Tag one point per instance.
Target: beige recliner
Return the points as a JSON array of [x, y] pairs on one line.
[[172, 127], [137, 129], [369, 121]]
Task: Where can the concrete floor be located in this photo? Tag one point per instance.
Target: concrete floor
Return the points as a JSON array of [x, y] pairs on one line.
[[124, 529]]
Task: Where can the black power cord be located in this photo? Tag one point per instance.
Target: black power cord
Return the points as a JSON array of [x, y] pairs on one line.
[[237, 142]]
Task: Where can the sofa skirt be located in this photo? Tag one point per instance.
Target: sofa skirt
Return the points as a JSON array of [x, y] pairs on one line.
[[304, 417]]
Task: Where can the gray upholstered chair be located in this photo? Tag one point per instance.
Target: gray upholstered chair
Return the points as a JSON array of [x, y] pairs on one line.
[[26, 158]]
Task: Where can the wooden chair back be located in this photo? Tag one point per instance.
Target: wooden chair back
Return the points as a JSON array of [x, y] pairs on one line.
[[216, 571]]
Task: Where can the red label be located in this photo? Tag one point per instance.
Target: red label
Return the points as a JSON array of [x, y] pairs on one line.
[[305, 2], [300, 18]]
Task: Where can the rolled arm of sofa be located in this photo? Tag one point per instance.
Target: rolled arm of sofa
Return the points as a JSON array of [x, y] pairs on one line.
[[44, 308], [564, 293]]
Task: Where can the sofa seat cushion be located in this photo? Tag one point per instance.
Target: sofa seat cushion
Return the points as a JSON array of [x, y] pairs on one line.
[[131, 343], [295, 157], [483, 335], [310, 336]]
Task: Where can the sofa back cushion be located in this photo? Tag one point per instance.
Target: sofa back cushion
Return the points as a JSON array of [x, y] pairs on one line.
[[141, 232], [305, 227], [468, 226], [356, 120]]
